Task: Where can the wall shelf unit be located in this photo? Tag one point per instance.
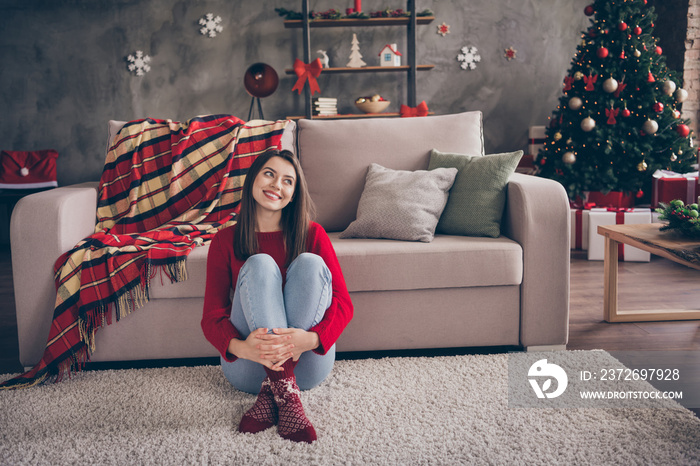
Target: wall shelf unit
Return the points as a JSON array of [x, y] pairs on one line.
[[343, 23], [410, 23], [370, 69]]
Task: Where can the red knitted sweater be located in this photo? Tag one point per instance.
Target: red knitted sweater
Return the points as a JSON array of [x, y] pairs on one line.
[[222, 275]]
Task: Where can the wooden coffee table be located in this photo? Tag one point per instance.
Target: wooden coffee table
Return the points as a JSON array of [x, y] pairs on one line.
[[648, 238]]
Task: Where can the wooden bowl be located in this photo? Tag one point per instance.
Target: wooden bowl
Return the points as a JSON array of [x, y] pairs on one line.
[[373, 107]]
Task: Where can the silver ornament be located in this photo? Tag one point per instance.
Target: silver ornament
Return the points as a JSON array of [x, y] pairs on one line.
[[575, 103], [610, 85], [568, 158], [650, 126], [668, 87], [587, 124], [680, 95]]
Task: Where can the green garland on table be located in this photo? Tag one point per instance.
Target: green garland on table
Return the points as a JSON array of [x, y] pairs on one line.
[[682, 218]]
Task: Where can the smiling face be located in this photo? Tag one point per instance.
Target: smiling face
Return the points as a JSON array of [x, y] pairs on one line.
[[274, 186]]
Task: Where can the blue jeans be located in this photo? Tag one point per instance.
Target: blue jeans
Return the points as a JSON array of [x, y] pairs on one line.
[[260, 300]]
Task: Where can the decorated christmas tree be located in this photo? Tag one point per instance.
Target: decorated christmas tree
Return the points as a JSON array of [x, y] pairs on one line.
[[619, 117]]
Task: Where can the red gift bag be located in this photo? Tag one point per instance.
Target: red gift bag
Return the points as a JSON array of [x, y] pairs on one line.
[[28, 169]]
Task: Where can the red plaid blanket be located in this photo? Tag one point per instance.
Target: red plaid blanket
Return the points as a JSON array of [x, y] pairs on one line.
[[166, 188]]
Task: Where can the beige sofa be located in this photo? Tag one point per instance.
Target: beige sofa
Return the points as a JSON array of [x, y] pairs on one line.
[[455, 291]]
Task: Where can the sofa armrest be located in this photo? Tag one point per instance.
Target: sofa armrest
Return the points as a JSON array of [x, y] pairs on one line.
[[44, 226], [537, 217]]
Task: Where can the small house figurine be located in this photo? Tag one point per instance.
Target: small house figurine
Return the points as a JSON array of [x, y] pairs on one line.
[[389, 56]]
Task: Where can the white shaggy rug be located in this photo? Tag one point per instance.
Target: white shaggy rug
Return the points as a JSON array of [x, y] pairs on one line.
[[443, 410]]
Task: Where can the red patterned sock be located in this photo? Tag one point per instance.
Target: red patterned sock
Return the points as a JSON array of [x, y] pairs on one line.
[[293, 423], [263, 414]]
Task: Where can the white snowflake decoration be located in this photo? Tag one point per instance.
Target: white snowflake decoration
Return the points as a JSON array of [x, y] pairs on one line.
[[139, 63], [211, 25], [469, 58]]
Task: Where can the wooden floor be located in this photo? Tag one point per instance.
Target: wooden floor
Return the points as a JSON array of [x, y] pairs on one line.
[[654, 285]]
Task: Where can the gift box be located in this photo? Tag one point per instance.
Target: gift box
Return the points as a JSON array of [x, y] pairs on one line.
[[536, 140], [579, 228], [668, 185], [526, 165], [613, 216], [28, 169]]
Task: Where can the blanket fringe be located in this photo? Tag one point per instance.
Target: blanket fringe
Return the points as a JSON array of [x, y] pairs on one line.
[[127, 301]]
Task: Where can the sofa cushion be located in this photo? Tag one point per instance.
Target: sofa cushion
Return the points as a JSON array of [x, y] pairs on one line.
[[446, 262], [336, 180], [380, 264], [401, 204], [478, 196]]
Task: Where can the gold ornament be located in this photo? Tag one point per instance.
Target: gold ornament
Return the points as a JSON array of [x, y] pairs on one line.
[[557, 136], [569, 142], [642, 166], [578, 76], [674, 157], [568, 158]]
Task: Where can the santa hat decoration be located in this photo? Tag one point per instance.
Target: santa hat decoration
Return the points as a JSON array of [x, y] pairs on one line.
[[28, 169]]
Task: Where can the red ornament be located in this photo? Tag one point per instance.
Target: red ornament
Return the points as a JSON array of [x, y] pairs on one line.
[[640, 194], [589, 10], [637, 31], [611, 113], [602, 52], [590, 81], [625, 112], [651, 78], [622, 55], [658, 107], [543, 161], [622, 26], [659, 50], [683, 130]]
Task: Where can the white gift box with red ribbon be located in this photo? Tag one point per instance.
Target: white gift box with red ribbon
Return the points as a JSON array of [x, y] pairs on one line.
[[668, 185], [536, 139], [615, 216], [579, 228]]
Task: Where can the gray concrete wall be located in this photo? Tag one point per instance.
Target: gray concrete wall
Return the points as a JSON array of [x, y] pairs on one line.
[[63, 68]]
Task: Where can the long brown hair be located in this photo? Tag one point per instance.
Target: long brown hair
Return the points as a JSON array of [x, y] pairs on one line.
[[296, 216]]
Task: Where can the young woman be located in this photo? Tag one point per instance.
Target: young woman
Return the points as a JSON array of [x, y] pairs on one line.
[[290, 302]]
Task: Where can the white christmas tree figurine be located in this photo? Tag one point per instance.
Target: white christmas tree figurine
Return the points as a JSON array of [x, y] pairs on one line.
[[355, 55]]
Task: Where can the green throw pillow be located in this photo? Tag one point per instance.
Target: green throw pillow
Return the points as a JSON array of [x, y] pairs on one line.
[[478, 195]]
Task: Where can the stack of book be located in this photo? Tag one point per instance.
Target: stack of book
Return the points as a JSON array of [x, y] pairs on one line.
[[325, 106]]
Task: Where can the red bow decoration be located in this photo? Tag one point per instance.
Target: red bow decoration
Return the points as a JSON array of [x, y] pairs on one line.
[[579, 204], [307, 72], [611, 113], [418, 111], [620, 220], [590, 80], [568, 81]]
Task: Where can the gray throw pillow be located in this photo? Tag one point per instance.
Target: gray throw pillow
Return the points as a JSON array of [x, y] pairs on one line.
[[400, 204], [478, 196]]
